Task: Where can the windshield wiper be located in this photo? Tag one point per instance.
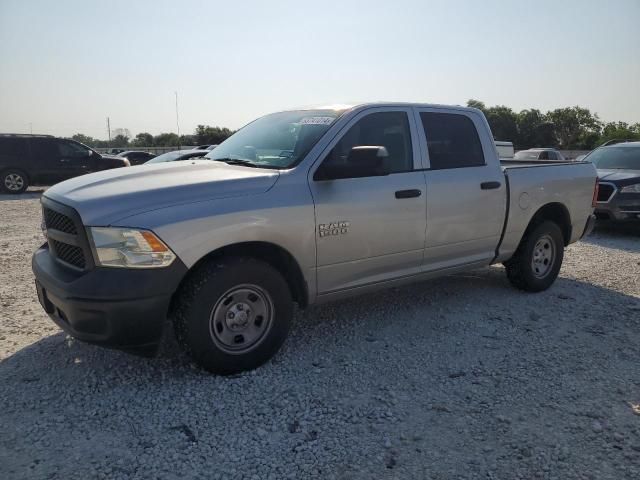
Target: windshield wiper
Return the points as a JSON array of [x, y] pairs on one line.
[[236, 161]]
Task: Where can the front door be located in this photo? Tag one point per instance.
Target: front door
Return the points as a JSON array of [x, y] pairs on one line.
[[370, 227]]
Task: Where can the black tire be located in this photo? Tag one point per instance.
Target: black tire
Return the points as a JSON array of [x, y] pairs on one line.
[[521, 270], [14, 181], [205, 296]]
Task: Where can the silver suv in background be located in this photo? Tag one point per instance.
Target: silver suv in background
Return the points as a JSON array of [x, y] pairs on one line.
[[303, 206]]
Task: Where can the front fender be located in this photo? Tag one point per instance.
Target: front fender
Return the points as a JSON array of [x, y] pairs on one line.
[[283, 216]]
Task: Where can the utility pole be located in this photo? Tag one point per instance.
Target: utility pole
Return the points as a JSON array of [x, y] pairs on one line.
[[109, 130], [178, 121]]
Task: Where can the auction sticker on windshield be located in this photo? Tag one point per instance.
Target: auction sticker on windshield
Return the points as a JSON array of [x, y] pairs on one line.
[[317, 120]]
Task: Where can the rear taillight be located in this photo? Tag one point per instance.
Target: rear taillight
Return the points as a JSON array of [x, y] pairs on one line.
[[596, 188]]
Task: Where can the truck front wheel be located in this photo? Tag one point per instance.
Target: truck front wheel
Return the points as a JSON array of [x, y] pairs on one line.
[[233, 314], [537, 261]]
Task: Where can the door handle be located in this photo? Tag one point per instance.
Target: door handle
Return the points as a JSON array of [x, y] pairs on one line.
[[408, 193], [490, 185]]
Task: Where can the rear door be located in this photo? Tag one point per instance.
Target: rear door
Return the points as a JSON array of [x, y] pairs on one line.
[[370, 229], [466, 191], [14, 153]]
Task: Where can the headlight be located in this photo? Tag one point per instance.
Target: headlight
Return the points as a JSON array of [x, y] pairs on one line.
[[129, 248], [631, 188]]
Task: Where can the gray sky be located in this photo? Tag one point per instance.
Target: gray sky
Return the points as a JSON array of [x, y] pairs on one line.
[[67, 65]]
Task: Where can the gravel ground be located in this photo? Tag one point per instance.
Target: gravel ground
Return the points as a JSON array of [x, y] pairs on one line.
[[458, 378]]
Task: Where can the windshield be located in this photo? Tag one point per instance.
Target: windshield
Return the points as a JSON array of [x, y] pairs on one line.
[[278, 140], [623, 158], [526, 155]]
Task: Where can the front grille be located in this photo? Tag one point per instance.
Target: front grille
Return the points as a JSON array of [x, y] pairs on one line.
[[630, 208], [67, 238], [605, 190], [58, 221], [68, 253]]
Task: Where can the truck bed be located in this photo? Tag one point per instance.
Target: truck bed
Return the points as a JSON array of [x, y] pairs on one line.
[[534, 163], [533, 184]]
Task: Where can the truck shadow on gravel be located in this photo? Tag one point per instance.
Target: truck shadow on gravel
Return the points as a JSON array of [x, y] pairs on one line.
[[450, 309], [453, 370]]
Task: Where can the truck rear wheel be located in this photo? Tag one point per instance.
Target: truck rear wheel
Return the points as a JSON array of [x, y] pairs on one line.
[[537, 261], [233, 314], [13, 181]]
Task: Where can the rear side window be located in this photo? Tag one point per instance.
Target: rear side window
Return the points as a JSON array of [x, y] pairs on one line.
[[13, 146], [452, 140]]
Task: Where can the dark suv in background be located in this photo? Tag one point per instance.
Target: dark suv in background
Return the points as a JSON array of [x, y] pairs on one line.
[[44, 160]]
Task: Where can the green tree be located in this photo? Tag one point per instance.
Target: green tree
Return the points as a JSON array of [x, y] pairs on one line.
[[143, 139], [534, 130], [620, 131], [206, 134], [503, 122], [476, 104], [120, 141], [188, 140], [573, 124], [85, 139], [166, 140]]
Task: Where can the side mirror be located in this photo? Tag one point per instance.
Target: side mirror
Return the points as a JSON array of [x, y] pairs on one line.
[[90, 153], [362, 161]]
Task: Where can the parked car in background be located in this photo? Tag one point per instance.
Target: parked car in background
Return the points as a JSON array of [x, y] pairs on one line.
[[301, 206], [44, 160], [177, 155], [539, 154], [136, 157], [115, 151], [618, 167], [505, 150], [615, 141], [206, 147]]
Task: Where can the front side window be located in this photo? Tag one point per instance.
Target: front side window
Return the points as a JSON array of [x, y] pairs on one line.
[[279, 140], [388, 130], [71, 150], [452, 140]]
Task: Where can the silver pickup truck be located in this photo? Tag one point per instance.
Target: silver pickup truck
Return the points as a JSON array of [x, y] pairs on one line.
[[300, 206]]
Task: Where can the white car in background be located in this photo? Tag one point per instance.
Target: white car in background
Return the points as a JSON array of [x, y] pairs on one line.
[[505, 150], [541, 154]]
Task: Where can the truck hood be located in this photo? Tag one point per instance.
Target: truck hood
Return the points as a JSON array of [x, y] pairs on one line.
[[619, 177], [103, 198]]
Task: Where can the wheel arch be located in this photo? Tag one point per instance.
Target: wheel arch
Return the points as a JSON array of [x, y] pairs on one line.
[[275, 255], [557, 213]]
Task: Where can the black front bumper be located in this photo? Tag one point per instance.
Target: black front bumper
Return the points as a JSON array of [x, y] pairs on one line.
[[623, 207], [113, 307]]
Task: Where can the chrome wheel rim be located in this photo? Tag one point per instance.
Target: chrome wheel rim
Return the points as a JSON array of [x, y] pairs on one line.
[[241, 318], [544, 253], [14, 182]]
